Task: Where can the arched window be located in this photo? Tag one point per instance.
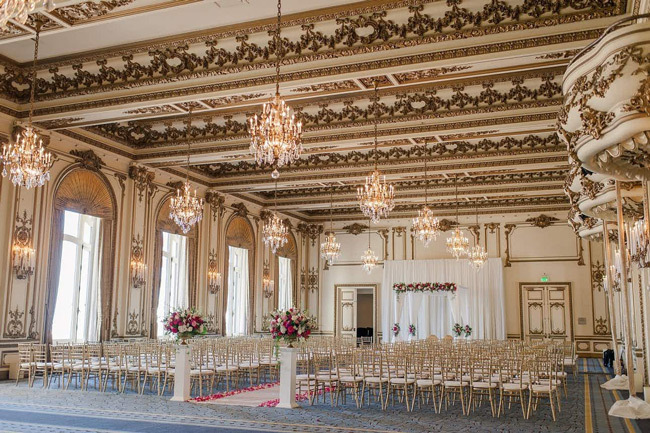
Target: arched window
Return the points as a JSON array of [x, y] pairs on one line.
[[286, 274], [239, 266], [82, 256], [174, 263]]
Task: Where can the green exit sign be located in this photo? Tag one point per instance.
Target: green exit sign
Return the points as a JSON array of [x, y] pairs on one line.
[[544, 279]]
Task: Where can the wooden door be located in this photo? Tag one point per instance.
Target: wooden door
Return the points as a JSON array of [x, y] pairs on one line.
[[546, 311], [347, 309]]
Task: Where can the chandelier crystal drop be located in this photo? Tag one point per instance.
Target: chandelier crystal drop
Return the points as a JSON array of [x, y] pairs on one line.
[[186, 209], [274, 233], [477, 256], [26, 161], [376, 197], [276, 134], [457, 244], [330, 249], [426, 226], [368, 258]]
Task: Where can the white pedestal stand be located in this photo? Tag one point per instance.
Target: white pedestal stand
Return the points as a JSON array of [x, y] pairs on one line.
[[617, 382], [182, 380], [288, 361]]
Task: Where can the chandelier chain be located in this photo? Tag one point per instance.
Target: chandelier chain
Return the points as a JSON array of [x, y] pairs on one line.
[[32, 91], [426, 178], [279, 51], [375, 121]]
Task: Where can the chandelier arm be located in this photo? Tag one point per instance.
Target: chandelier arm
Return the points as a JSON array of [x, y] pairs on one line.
[[32, 91]]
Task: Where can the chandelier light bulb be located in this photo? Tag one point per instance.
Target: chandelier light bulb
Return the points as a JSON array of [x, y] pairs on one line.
[[274, 233], [368, 260], [457, 244]]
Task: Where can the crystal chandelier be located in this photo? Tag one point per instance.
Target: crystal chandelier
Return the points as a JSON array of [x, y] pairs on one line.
[[457, 244], [276, 135], [368, 259], [477, 256], [26, 161], [186, 209], [376, 197], [274, 232], [330, 249], [18, 10], [426, 226]]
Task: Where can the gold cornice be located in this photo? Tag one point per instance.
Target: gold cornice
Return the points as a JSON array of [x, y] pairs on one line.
[[229, 31], [301, 75]]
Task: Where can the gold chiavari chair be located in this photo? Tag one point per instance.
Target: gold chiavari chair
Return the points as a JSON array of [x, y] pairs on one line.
[[455, 381], [350, 377], [326, 379], [427, 383], [513, 382], [541, 382], [482, 382], [402, 381], [25, 362]]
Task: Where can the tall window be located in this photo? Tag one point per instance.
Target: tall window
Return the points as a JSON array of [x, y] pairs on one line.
[[77, 311], [173, 277], [237, 306], [285, 284]]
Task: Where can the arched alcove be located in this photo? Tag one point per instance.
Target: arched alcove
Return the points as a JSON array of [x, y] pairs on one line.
[[86, 192]]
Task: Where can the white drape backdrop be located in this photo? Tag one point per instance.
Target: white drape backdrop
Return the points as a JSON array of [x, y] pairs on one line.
[[479, 302]]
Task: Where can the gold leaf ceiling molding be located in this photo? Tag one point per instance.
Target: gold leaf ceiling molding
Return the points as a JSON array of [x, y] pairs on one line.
[[505, 205], [238, 54], [412, 154], [415, 106], [537, 176]]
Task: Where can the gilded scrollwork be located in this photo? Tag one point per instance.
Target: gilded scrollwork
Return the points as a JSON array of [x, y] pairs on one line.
[[15, 327], [143, 179], [310, 43], [542, 221], [88, 159]]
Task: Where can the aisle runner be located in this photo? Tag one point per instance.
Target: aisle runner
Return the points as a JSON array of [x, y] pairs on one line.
[[264, 395], [252, 396]]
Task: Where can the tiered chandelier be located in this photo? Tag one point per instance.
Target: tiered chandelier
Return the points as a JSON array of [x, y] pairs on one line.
[[457, 244], [276, 135], [274, 232], [368, 259], [376, 197], [426, 226], [330, 249], [19, 10], [26, 161], [477, 256], [186, 209]]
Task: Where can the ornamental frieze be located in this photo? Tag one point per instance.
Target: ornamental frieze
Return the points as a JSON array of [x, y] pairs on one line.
[[449, 207], [392, 155], [433, 183], [314, 41], [406, 107]]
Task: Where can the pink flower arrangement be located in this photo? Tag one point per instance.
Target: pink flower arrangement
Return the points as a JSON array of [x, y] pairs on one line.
[[459, 330], [425, 287], [412, 330], [396, 329], [291, 325], [184, 323], [468, 330]]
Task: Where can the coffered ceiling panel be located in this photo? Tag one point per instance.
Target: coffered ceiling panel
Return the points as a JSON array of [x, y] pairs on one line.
[[470, 86]]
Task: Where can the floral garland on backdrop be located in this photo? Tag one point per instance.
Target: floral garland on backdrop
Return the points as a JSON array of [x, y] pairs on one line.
[[412, 330], [459, 330], [424, 287]]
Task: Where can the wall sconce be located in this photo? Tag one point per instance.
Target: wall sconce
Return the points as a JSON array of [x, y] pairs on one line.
[[138, 266], [214, 276], [22, 251], [268, 284]]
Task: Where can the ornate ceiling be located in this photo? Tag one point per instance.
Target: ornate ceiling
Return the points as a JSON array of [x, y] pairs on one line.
[[477, 81]]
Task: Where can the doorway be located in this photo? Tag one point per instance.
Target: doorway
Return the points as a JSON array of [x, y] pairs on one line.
[[356, 312]]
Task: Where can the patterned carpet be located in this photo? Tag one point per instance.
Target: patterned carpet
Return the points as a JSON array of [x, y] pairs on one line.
[[36, 410]]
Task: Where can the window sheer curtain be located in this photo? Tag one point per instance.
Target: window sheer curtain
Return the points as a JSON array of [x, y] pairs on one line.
[[285, 283], [480, 300], [173, 291], [238, 292]]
